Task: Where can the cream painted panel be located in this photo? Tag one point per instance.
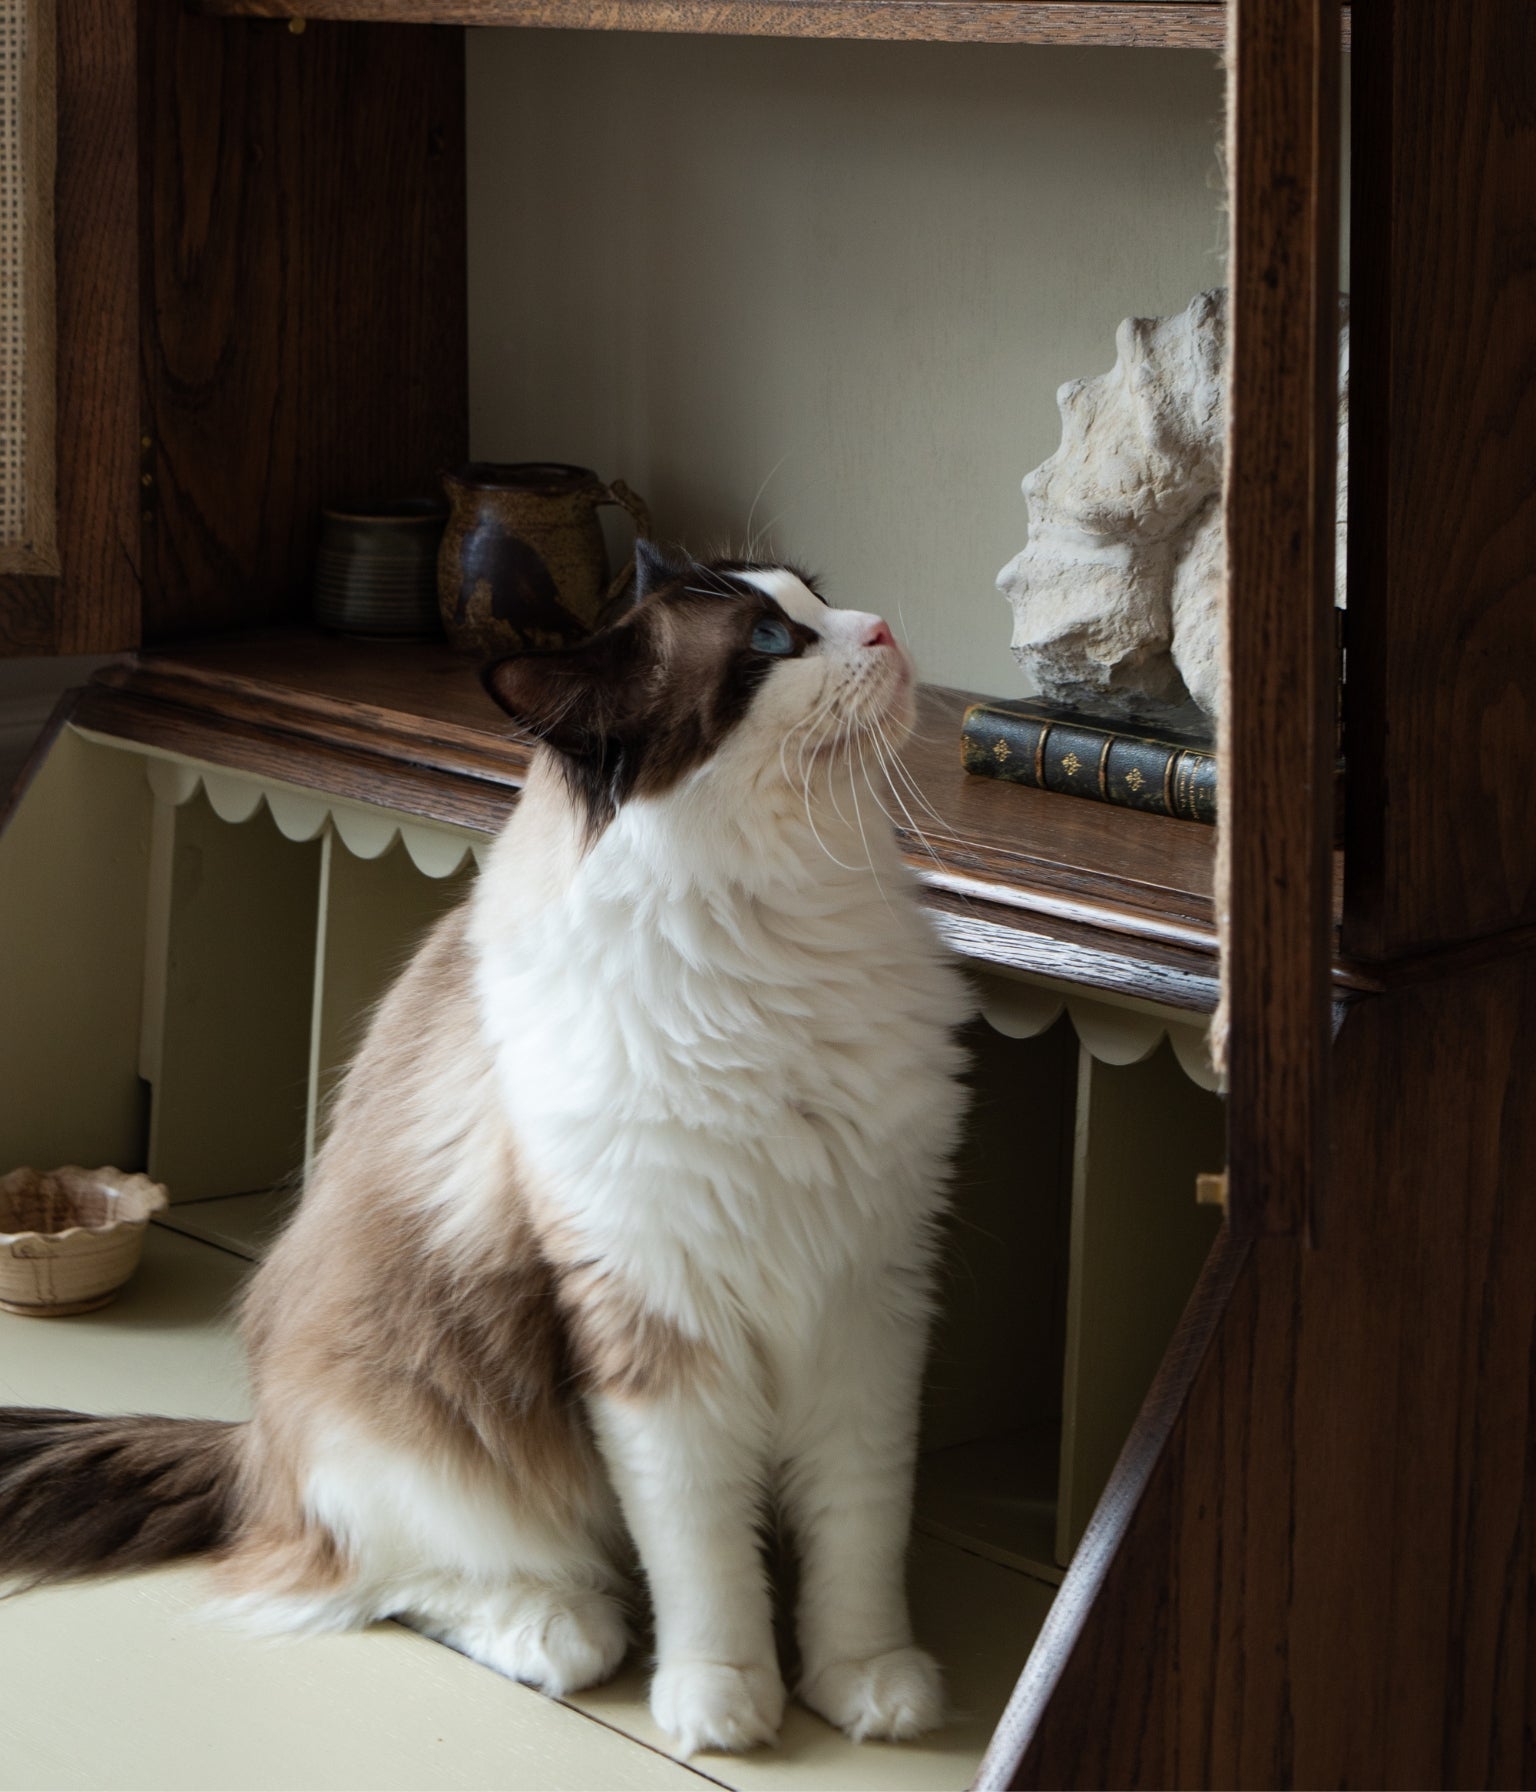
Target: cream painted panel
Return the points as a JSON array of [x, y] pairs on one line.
[[1144, 1132], [841, 279], [231, 1076], [244, 1224], [375, 913], [996, 1359], [72, 893]]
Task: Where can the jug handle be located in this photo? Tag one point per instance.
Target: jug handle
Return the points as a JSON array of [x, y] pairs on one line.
[[619, 493]]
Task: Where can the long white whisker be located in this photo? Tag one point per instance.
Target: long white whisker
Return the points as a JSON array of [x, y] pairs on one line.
[[816, 832], [844, 727], [826, 709], [805, 765], [757, 497], [853, 783], [912, 827], [805, 722], [914, 789]]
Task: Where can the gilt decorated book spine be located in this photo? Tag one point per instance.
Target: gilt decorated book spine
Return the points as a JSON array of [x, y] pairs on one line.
[[1047, 749]]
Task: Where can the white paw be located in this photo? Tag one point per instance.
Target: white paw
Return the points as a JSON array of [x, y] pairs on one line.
[[558, 1644], [711, 1705], [889, 1698]]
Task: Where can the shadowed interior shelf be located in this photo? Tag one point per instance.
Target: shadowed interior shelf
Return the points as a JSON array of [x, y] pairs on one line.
[[1146, 24]]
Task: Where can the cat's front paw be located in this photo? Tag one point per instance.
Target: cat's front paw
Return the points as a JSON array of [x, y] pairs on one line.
[[887, 1698], [712, 1705]]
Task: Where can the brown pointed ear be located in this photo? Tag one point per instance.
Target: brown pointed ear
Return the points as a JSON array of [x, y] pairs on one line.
[[574, 698], [656, 566]]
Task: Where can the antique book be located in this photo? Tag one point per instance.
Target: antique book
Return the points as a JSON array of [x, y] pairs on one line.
[[1126, 761]]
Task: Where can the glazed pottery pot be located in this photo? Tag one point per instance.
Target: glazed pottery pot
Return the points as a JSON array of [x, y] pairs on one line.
[[523, 563], [376, 568], [70, 1238]]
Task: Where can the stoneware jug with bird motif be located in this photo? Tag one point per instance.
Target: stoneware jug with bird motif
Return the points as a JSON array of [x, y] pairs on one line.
[[523, 563]]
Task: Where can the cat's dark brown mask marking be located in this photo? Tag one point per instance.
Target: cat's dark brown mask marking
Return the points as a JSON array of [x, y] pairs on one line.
[[636, 707]]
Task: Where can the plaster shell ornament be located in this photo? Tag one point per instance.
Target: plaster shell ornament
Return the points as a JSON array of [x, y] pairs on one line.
[[1117, 595]]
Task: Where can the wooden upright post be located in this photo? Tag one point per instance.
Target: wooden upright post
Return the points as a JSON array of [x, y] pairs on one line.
[[1277, 744]]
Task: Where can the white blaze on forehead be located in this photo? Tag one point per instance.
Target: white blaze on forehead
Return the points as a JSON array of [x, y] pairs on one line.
[[793, 596]]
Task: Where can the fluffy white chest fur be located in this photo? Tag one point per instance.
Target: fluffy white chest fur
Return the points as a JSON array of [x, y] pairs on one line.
[[728, 1059]]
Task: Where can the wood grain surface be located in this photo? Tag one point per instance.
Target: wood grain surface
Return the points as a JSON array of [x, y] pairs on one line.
[[93, 606], [1329, 1578], [304, 317], [1024, 878], [1149, 24], [1105, 1573], [1440, 718], [1108, 897], [1277, 742], [1152, 23]]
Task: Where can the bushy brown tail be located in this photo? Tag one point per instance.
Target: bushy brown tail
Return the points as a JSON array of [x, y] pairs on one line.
[[82, 1495]]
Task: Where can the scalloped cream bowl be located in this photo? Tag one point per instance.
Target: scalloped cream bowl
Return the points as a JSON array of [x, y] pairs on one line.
[[71, 1238]]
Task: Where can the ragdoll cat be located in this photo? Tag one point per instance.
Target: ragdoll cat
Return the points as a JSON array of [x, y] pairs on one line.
[[625, 1222]]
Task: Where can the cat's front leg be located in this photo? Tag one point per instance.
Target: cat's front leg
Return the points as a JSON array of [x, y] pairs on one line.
[[688, 1467], [849, 1452]]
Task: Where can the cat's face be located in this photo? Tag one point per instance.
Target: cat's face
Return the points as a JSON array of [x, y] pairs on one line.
[[725, 662]]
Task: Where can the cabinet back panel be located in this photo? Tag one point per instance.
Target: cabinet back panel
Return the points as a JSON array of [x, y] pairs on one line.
[[73, 864], [303, 308], [842, 279], [997, 1354], [231, 1059]]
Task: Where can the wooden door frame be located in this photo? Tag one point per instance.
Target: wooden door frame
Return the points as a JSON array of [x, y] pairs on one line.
[[92, 606]]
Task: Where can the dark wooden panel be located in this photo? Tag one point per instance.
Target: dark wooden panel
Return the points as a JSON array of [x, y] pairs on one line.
[[1051, 1734], [1278, 733], [1180, 23], [1440, 718], [1075, 952], [29, 614], [1330, 1579], [1146, 24], [1177, 24], [98, 274], [304, 303], [269, 752], [93, 607]]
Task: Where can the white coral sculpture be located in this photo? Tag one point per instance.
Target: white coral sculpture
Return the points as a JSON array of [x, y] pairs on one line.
[[1117, 595]]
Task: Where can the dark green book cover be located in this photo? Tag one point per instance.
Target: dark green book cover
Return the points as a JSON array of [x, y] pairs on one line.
[[1134, 765]]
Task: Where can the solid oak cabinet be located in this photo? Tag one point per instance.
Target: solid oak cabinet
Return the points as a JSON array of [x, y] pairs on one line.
[[1312, 1561]]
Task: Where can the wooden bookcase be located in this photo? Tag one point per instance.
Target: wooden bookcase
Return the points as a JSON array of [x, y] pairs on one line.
[[1312, 1561]]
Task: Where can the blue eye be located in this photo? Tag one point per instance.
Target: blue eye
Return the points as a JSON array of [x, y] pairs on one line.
[[773, 636]]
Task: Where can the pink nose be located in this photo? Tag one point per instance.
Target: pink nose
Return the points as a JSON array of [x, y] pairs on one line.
[[879, 634]]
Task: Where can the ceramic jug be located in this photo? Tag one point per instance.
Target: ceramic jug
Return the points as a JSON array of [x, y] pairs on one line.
[[522, 563]]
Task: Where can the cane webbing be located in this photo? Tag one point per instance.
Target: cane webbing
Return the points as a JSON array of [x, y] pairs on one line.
[[27, 469]]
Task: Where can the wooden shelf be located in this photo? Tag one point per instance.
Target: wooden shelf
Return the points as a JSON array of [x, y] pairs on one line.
[[1017, 878], [1143, 24]]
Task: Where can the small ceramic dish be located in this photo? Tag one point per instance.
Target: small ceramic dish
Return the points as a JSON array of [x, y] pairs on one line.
[[70, 1238]]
